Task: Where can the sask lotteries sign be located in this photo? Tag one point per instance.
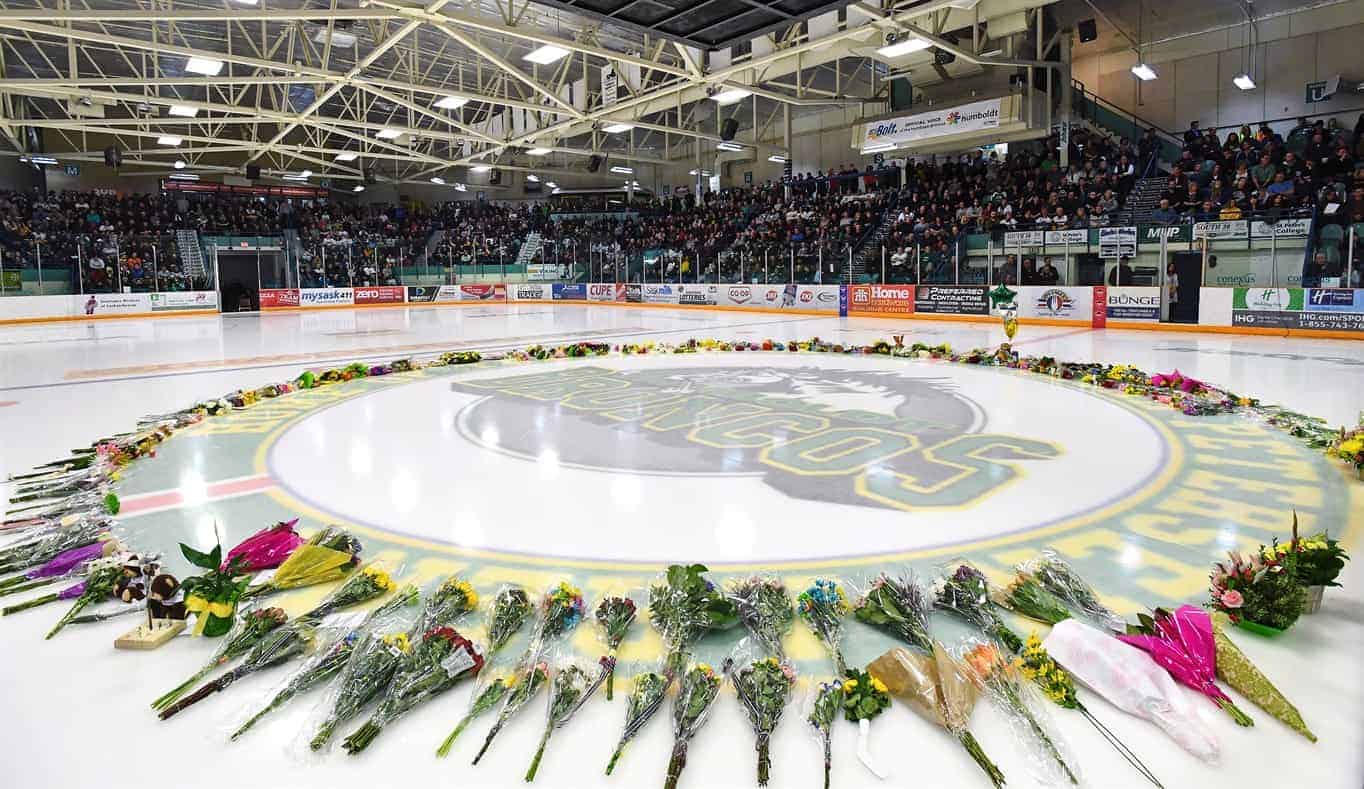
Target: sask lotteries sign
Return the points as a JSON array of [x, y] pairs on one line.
[[951, 299], [699, 295]]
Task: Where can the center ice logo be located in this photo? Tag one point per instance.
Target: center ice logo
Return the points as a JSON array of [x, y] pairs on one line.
[[872, 438]]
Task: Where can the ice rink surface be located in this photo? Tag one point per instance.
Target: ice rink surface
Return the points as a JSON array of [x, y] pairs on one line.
[[466, 472]]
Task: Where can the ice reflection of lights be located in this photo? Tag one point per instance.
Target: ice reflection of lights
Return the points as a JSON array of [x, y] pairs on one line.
[[404, 491], [361, 461], [627, 493], [206, 533], [467, 529], [549, 464], [490, 436], [193, 488], [1131, 556], [734, 533]]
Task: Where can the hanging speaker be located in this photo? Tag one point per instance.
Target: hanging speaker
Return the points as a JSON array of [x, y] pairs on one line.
[[113, 157], [593, 163], [253, 171], [1088, 30], [728, 129], [369, 177]]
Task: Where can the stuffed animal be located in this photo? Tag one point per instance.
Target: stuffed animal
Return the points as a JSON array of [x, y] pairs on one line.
[[165, 599]]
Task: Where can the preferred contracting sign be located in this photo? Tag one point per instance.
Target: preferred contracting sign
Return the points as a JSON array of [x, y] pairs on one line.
[[974, 117]]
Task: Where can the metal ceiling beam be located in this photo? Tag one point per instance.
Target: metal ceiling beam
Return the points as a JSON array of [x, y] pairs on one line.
[[182, 14]]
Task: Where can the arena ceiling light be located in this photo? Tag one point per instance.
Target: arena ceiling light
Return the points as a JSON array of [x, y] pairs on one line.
[[1144, 72], [170, 140], [180, 164], [1244, 82], [436, 179], [546, 54], [348, 156], [539, 152], [533, 178], [551, 185], [480, 168], [461, 188], [778, 158], [182, 111], [340, 38], [248, 2], [622, 170], [879, 147], [705, 173], [451, 103], [388, 134], [358, 188], [729, 146], [45, 160], [184, 177], [206, 66], [731, 96], [617, 128], [906, 47]]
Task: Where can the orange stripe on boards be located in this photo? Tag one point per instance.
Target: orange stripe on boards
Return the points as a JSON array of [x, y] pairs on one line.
[[125, 316]]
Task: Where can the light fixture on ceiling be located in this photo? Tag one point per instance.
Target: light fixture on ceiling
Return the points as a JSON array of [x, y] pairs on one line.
[[388, 134], [545, 54], [879, 147], [778, 158], [480, 168], [731, 95], [1144, 72], [358, 188], [182, 111], [729, 146], [180, 164], [621, 170], [248, 2], [551, 185], [184, 177], [436, 179], [705, 173], [906, 47], [461, 188], [451, 102], [1244, 82], [42, 160], [206, 66], [347, 156], [340, 38], [539, 151], [170, 140], [617, 128], [306, 173], [533, 178]]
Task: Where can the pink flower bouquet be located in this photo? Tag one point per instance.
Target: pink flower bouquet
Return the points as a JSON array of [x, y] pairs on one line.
[[1182, 643]]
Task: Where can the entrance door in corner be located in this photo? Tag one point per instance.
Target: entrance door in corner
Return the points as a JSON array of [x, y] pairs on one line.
[[1184, 307]]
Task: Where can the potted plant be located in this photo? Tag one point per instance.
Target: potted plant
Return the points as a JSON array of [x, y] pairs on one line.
[[1319, 560], [1258, 593], [213, 595]]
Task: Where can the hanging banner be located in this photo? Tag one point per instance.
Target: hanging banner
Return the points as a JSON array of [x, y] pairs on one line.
[[963, 119], [1116, 242], [610, 82], [1023, 238]]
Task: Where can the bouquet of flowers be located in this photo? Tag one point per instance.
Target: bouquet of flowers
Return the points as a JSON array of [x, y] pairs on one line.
[[828, 702], [823, 606], [1318, 561], [864, 698], [683, 608], [1235, 669], [1056, 684], [531, 678], [700, 686], [484, 699], [33, 552], [1182, 643], [327, 556], [1262, 591], [246, 632], [265, 549], [64, 565], [966, 593], [454, 598], [1131, 681], [280, 646], [937, 688], [572, 686], [764, 607], [511, 609], [1000, 679], [646, 698], [899, 606], [374, 660], [212, 595], [1028, 597], [322, 667], [361, 587], [763, 688], [561, 609], [1059, 578], [99, 585], [442, 658], [614, 615]]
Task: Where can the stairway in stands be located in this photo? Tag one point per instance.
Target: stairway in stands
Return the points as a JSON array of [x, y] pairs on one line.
[[529, 249], [868, 254], [1145, 198], [426, 256], [191, 254]]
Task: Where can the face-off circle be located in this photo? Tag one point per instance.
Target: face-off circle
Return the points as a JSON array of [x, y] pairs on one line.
[[723, 458]]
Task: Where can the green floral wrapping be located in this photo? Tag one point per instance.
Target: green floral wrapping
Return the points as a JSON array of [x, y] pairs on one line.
[[1235, 669]]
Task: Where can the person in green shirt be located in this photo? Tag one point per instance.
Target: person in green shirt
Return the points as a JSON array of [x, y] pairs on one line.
[[1263, 173]]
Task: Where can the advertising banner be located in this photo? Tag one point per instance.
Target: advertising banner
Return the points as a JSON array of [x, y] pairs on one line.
[[1116, 242], [113, 303], [822, 298], [542, 272], [769, 296], [1098, 313], [11, 280], [315, 297], [1055, 303], [1267, 307], [1023, 238], [601, 291], [622, 292], [187, 300], [530, 293], [698, 295], [842, 301], [496, 292], [660, 294], [892, 299], [634, 293], [1134, 305], [380, 294], [1284, 228], [571, 291], [962, 119], [1062, 237], [1152, 234], [1334, 300], [279, 298], [951, 299], [431, 293], [1220, 230]]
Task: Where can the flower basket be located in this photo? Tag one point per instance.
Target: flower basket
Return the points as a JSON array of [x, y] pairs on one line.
[[1312, 603], [1259, 629]]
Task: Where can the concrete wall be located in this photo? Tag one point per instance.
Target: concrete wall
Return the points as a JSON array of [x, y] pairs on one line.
[[1196, 72]]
